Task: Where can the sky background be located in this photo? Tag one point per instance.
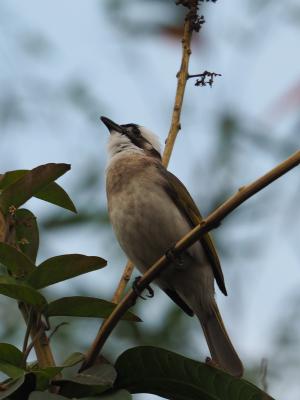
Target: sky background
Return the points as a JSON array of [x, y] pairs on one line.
[[63, 65]]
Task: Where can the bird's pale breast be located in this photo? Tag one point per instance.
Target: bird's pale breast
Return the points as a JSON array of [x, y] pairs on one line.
[[146, 221]]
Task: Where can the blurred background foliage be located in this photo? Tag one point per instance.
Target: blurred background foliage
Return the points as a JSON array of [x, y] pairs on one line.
[[63, 65]]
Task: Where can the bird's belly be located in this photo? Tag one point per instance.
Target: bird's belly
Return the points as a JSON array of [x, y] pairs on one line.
[[147, 223]]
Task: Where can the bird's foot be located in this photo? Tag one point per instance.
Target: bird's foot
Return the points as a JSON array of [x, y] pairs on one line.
[[176, 259], [138, 292]]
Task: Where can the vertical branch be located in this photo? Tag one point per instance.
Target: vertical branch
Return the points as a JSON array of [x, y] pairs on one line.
[[38, 336], [125, 278], [182, 77]]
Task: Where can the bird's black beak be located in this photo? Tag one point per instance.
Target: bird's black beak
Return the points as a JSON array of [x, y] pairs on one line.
[[111, 125]]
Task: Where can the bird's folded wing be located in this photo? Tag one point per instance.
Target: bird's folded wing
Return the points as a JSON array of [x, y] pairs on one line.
[[181, 197]]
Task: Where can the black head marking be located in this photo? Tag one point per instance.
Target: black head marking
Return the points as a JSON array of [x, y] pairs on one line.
[[133, 132]]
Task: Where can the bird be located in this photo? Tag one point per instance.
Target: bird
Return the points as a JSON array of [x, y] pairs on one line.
[[150, 210]]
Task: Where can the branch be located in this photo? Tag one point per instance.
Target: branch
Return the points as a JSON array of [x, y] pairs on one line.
[[182, 77], [211, 222], [40, 340], [125, 278]]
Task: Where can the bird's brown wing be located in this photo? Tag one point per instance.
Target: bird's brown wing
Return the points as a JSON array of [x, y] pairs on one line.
[[181, 197]]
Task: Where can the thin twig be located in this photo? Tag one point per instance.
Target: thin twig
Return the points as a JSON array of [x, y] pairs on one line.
[[28, 329], [31, 345], [56, 329], [39, 338], [212, 221], [182, 78], [207, 78], [125, 278]]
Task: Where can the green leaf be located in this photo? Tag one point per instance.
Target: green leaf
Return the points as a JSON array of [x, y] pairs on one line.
[[53, 193], [89, 307], [91, 382], [21, 291], [51, 372], [45, 396], [11, 354], [119, 395], [27, 233], [11, 370], [30, 184], [11, 387], [11, 177], [116, 395], [15, 261], [60, 268], [73, 359], [11, 361], [45, 375], [170, 375]]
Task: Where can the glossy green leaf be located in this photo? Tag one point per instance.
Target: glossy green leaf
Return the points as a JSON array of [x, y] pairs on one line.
[[116, 395], [27, 233], [15, 261], [21, 291], [60, 268], [11, 177], [91, 382], [51, 372], [73, 359], [11, 360], [12, 387], [46, 396], [47, 374], [170, 375], [55, 194], [52, 193], [11, 354], [88, 307], [30, 184], [11, 370]]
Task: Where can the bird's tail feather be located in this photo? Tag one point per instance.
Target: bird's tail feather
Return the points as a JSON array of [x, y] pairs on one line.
[[220, 346]]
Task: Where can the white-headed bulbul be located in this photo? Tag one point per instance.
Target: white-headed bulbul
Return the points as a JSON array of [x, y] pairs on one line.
[[150, 210]]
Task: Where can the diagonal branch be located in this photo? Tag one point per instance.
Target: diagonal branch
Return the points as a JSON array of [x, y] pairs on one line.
[[211, 222]]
